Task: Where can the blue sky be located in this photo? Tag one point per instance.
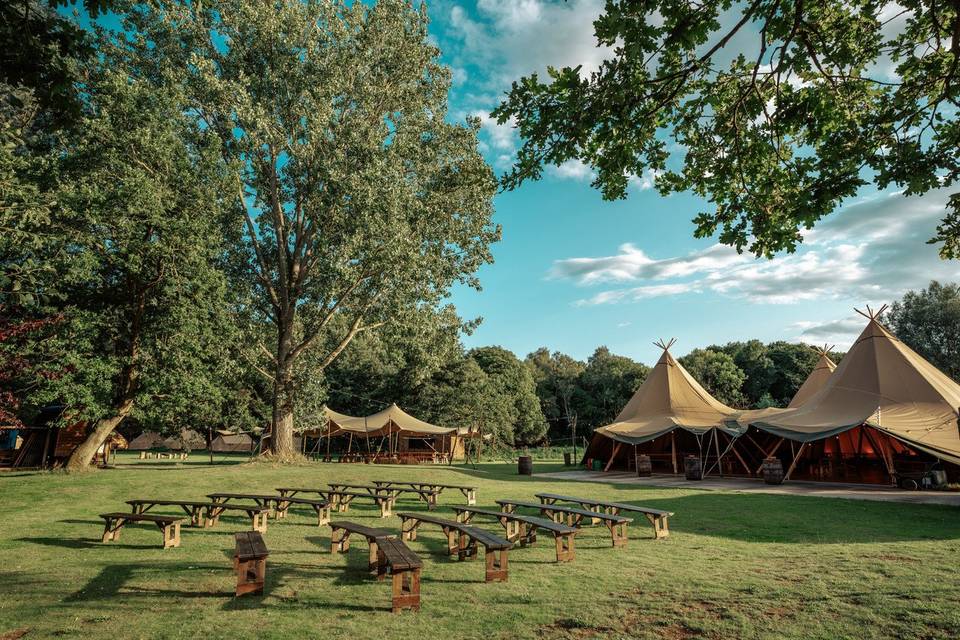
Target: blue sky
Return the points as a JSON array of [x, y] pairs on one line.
[[573, 272]]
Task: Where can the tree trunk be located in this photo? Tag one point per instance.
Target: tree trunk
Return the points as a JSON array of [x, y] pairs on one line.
[[82, 456], [281, 439]]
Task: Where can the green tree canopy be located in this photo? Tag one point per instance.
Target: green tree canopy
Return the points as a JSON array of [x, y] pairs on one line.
[[773, 110], [928, 321], [717, 372], [513, 382], [359, 199], [557, 377], [605, 386]]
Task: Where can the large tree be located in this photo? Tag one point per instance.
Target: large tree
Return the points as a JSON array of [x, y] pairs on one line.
[[133, 243], [773, 110], [717, 373], [928, 321], [360, 200], [512, 381], [556, 376]]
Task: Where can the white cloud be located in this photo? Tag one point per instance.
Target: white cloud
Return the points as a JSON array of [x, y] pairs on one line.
[[840, 333], [869, 252], [635, 294], [573, 170]]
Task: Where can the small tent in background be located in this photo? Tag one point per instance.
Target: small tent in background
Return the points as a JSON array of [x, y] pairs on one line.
[[232, 443], [816, 380], [669, 416], [884, 409], [188, 440], [146, 440]]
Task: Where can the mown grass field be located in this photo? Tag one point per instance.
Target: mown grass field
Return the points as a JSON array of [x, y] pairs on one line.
[[735, 566]]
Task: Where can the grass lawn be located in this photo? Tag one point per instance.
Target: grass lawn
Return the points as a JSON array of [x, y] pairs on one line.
[[735, 566]]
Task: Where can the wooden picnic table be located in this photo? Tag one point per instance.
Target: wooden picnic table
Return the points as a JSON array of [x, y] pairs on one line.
[[341, 499], [427, 495], [340, 531], [462, 541], [469, 492], [658, 518], [205, 514], [573, 517], [169, 526], [524, 529]]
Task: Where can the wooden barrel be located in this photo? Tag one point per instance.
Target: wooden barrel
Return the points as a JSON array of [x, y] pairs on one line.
[[692, 468], [525, 466], [772, 471], [644, 468]]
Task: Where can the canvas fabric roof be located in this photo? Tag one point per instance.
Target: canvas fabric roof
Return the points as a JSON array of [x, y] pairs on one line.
[[884, 384], [391, 420], [815, 381], [668, 399]]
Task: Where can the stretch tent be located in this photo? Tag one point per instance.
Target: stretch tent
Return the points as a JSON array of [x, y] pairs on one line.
[[668, 401], [400, 431], [882, 388]]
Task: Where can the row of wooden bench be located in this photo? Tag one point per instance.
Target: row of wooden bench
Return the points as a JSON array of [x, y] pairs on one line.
[[387, 555], [338, 496]]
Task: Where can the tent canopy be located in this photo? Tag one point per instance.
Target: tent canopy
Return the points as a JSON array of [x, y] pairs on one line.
[[884, 384], [668, 399], [391, 420]]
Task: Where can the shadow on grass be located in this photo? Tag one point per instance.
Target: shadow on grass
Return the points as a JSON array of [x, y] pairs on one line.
[[80, 543]]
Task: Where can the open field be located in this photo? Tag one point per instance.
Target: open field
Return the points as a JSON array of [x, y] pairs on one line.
[[735, 566]]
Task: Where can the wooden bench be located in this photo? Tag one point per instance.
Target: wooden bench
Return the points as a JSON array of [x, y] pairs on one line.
[[573, 517], [658, 518], [427, 495], [396, 559], [259, 514], [469, 492], [340, 500], [322, 507], [205, 514], [340, 539], [524, 529], [168, 525], [250, 561], [462, 541]]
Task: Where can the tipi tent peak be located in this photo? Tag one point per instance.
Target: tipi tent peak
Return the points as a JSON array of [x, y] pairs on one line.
[[665, 345]]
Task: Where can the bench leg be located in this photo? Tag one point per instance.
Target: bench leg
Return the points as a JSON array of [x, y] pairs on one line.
[[660, 527], [213, 516], [251, 575], [386, 507], [339, 541], [408, 529], [471, 497], [496, 566], [565, 551], [528, 534], [431, 502], [618, 533], [259, 521], [467, 547], [111, 529], [171, 534], [453, 545], [373, 560], [406, 590], [323, 516], [280, 509]]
